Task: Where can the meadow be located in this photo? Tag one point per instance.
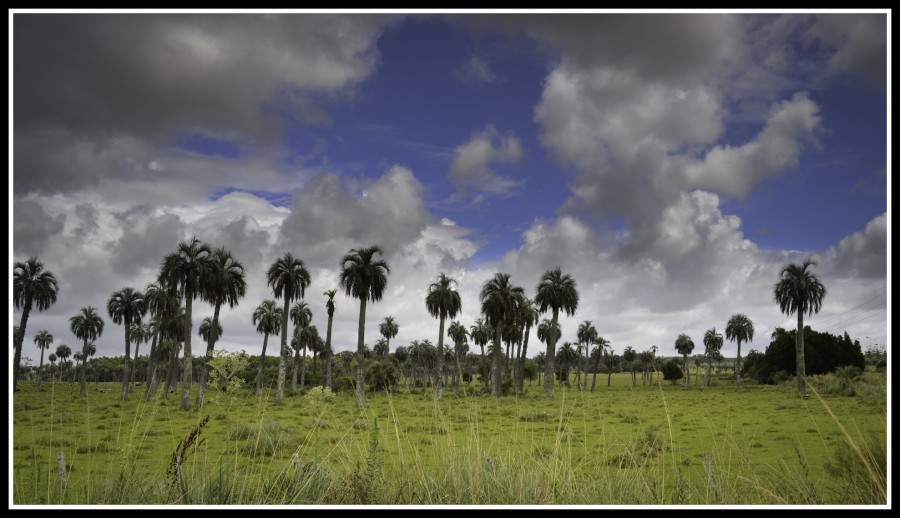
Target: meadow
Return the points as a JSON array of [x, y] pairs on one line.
[[658, 444]]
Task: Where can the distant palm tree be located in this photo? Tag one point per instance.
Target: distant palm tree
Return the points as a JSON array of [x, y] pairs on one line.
[[267, 319], [87, 326], [389, 330], [381, 349], [160, 305], [740, 329], [543, 334], [555, 291], [565, 356], [540, 359], [481, 332], [528, 316], [289, 279], [301, 316], [142, 333], [52, 359], [32, 286], [187, 271], [601, 344], [684, 345], [630, 356], [226, 284], [442, 302], [365, 278], [126, 306], [63, 352], [207, 327], [799, 290], [712, 340], [329, 306], [43, 340], [500, 301], [457, 332], [586, 335], [612, 363], [646, 359]]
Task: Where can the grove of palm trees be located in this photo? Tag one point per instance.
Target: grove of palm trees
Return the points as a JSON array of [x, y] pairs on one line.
[[423, 424]]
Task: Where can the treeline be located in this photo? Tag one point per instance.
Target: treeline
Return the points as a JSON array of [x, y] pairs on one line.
[[824, 352]]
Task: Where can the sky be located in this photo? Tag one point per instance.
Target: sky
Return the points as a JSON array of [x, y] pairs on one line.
[[671, 163]]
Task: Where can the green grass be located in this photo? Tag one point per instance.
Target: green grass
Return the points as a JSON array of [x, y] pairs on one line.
[[643, 445]]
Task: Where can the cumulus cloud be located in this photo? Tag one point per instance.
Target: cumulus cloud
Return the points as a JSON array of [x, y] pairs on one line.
[[33, 227], [863, 253], [859, 41], [471, 168], [736, 170]]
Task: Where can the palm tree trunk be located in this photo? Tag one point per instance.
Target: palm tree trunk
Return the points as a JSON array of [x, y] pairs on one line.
[[551, 354], [302, 372], [737, 370], [83, 393], [609, 376], [361, 355], [328, 352], [210, 345], [439, 370], [596, 368], [41, 369], [187, 375], [498, 360], [484, 377], [686, 380], [708, 372], [126, 376], [520, 387], [801, 357], [262, 364], [283, 352], [151, 362], [20, 338], [172, 375]]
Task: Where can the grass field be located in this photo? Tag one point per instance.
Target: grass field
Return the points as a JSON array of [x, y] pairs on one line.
[[620, 445]]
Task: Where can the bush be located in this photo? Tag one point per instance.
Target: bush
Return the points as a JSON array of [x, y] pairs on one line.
[[344, 384], [671, 371]]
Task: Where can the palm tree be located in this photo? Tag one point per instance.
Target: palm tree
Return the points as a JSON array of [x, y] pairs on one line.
[[555, 291], [442, 302], [799, 290], [267, 319], [630, 355], [381, 349], [52, 359], [365, 278], [288, 278], [32, 286], [389, 330], [500, 301], [43, 340], [712, 340], [457, 332], [187, 271], [143, 332], [329, 306], [226, 284], [565, 355], [684, 345], [601, 344], [540, 359], [208, 329], [586, 335], [612, 362], [160, 305], [87, 326], [481, 333], [63, 352], [301, 316], [646, 359], [528, 316], [126, 306], [740, 329]]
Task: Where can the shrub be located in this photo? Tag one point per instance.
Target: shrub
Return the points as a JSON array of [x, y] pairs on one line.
[[671, 371]]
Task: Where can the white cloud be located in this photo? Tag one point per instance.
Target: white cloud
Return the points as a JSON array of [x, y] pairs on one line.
[[471, 168], [476, 71]]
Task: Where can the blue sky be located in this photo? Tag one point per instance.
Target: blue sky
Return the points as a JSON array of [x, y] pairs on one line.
[[671, 163]]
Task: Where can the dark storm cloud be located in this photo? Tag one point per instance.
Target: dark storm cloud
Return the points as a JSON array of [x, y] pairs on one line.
[[33, 227], [146, 239]]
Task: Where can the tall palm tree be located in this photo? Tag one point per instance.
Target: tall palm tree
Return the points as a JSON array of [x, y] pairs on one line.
[[799, 290], [142, 333], [187, 271], [457, 332], [555, 291], [32, 286], [740, 329], [289, 279], [226, 284], [712, 340], [63, 352], [528, 316], [601, 345], [481, 332], [389, 330], [363, 277], [87, 326], [586, 335], [500, 301], [630, 356], [442, 302], [43, 340], [329, 306], [301, 316], [126, 306], [684, 345], [160, 304], [267, 319]]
